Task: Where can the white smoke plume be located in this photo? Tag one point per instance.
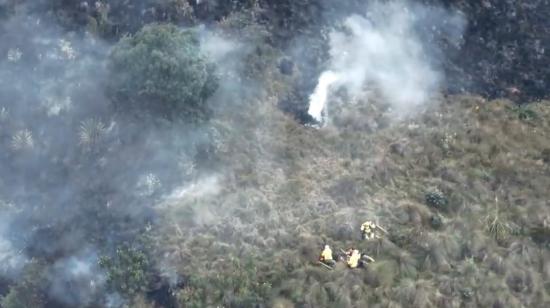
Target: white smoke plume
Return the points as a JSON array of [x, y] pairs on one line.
[[75, 280], [383, 52], [200, 188], [318, 99]]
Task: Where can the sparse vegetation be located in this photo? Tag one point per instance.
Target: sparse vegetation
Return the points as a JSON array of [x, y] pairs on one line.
[[428, 240]]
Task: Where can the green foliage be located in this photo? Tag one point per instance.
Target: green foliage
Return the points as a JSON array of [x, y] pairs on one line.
[[436, 199], [160, 71], [239, 287], [524, 113], [28, 291], [127, 271], [14, 299]]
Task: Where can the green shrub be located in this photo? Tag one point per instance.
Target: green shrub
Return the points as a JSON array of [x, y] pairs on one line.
[[436, 199], [160, 71]]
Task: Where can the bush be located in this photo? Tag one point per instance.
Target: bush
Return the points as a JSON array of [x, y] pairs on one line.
[[160, 71], [436, 199]]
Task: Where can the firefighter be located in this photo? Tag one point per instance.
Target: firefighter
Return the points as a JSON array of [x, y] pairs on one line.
[[354, 258], [368, 230], [357, 259], [326, 256]]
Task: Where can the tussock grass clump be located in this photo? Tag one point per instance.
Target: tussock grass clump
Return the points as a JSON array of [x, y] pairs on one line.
[[405, 291], [498, 229], [436, 222], [407, 266]]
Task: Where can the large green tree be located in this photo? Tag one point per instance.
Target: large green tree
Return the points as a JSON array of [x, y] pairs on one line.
[[160, 71]]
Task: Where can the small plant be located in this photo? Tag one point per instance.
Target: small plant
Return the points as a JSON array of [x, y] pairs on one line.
[[436, 199], [22, 140], [524, 113], [91, 132], [497, 228]]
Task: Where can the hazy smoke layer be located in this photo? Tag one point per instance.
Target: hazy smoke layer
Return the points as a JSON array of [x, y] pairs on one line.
[[76, 181], [383, 51]]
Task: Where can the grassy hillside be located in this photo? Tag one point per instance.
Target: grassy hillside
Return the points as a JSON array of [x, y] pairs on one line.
[[157, 153], [289, 189]]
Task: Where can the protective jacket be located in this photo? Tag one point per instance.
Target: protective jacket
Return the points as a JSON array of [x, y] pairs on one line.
[[326, 254], [354, 258]]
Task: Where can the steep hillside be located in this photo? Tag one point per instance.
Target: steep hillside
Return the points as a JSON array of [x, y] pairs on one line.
[[186, 153], [287, 190]]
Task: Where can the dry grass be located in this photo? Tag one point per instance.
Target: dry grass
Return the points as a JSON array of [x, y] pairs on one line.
[[289, 189]]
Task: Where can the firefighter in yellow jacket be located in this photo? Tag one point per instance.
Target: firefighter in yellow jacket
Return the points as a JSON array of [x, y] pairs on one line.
[[326, 256], [357, 259], [354, 258]]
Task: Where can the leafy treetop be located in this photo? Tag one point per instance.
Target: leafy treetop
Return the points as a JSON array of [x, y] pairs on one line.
[[160, 71]]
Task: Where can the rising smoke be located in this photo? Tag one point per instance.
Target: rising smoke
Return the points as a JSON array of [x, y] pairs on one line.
[[76, 181], [383, 51]]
